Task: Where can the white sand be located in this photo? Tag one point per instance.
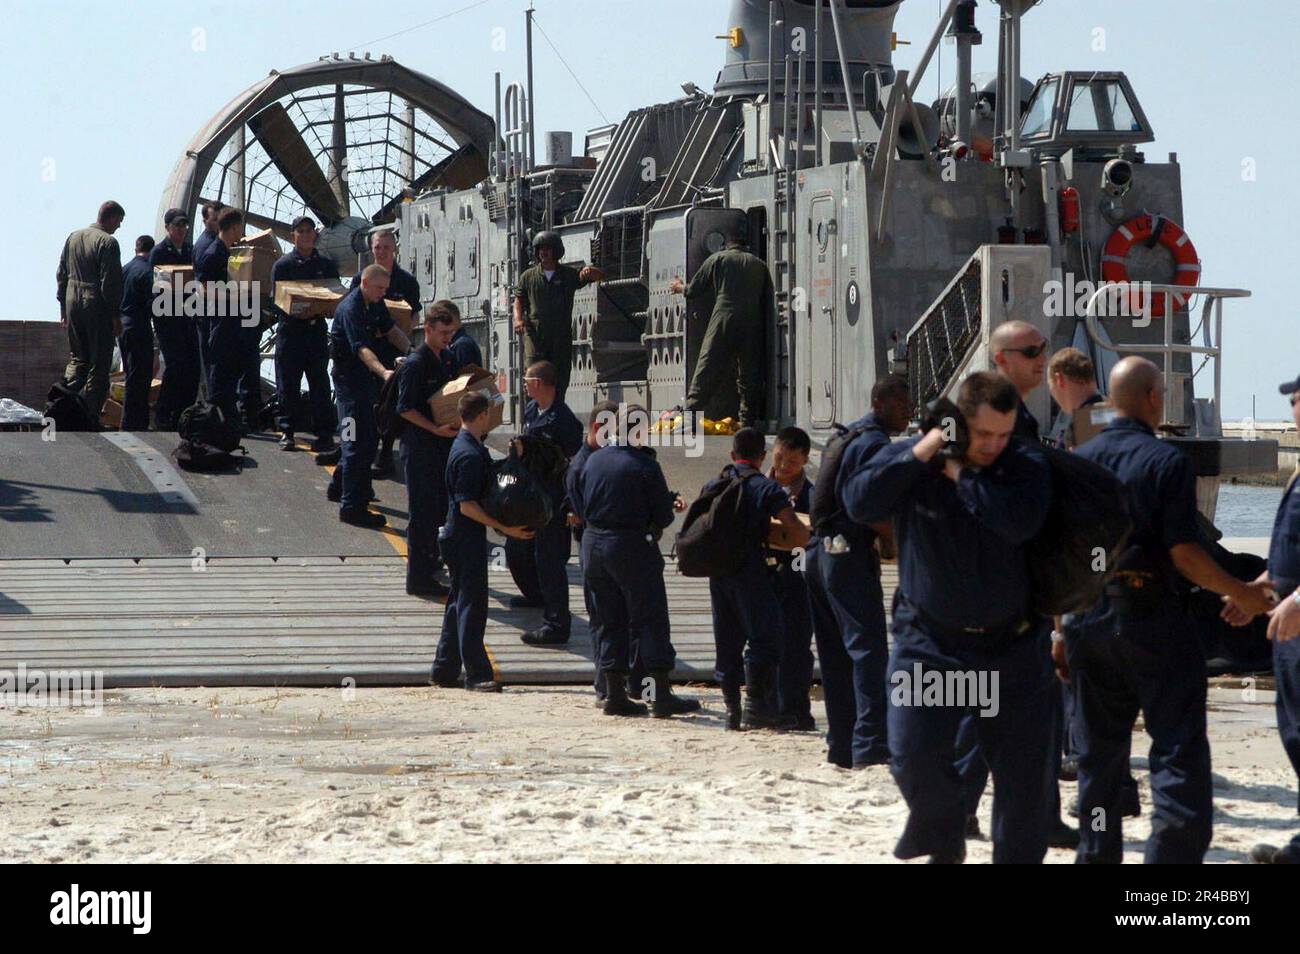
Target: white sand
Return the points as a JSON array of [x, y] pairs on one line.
[[534, 774]]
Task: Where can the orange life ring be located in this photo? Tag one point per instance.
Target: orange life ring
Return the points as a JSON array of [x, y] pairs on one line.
[[1151, 229]]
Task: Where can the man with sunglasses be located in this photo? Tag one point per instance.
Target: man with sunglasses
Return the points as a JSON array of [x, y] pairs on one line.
[[1020, 354]]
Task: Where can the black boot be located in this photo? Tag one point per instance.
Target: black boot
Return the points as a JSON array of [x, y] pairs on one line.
[[665, 704], [760, 699], [731, 699], [616, 701]]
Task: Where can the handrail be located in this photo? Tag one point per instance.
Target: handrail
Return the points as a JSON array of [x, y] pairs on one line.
[[1213, 299]]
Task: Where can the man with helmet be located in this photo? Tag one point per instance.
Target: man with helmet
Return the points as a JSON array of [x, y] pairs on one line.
[[544, 306]]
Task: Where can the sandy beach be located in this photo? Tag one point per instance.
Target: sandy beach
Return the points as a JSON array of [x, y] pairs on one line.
[[532, 775]]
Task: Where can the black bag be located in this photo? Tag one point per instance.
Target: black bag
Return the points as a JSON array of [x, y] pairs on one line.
[[208, 440], [719, 531], [389, 423], [1077, 549], [68, 410], [515, 496], [825, 507]]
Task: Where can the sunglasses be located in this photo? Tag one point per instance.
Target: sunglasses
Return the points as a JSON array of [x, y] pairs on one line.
[[1031, 352]]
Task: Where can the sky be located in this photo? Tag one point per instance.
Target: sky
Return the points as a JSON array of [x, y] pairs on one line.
[[102, 98]]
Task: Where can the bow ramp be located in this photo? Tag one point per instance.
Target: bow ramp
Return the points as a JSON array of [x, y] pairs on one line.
[[113, 560]]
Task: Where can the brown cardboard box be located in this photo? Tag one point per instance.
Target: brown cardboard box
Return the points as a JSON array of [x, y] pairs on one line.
[[402, 314], [253, 263], [470, 378], [173, 275], [111, 416], [117, 386], [311, 299], [778, 538], [1088, 421]]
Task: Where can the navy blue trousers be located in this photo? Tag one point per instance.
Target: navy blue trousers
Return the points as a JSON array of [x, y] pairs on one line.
[[465, 619], [354, 397], [250, 373], [848, 614], [794, 681], [424, 463], [1286, 667], [302, 348], [224, 365], [1162, 675], [1013, 739], [136, 345], [539, 568], [625, 580], [747, 623], [178, 340]]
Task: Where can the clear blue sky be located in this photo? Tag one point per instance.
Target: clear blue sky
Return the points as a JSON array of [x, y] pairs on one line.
[[102, 97]]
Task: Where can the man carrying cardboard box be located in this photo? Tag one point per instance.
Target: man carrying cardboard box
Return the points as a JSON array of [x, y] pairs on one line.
[[302, 345], [358, 320], [402, 287], [225, 334], [178, 335]]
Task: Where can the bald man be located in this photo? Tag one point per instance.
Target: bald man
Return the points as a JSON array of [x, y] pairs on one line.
[[1135, 651], [1020, 354]]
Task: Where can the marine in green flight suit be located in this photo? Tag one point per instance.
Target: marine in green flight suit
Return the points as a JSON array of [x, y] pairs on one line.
[[741, 288], [544, 306], [90, 299]]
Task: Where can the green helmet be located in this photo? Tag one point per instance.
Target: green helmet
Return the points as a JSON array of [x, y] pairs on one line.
[[551, 238]]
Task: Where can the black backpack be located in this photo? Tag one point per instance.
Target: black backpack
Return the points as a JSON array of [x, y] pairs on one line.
[[68, 410], [208, 440], [389, 423], [1077, 549], [719, 530], [825, 507]]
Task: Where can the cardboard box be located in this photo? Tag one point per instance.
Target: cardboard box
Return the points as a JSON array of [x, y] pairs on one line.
[[443, 405], [111, 416], [117, 386], [402, 314], [170, 276], [779, 538], [1088, 421], [253, 263], [311, 299]]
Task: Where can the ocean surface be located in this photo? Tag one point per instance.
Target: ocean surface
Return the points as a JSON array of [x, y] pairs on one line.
[[1246, 511]]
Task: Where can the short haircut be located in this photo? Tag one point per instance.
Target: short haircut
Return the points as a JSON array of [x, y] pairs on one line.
[[382, 233], [229, 217], [602, 412], [1074, 364], [987, 387], [144, 243], [441, 312], [890, 385], [795, 438], [543, 371], [110, 210], [212, 207], [373, 273], [749, 443], [472, 405]]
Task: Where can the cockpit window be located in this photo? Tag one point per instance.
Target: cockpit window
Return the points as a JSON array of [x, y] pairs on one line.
[[1038, 118], [1100, 106]]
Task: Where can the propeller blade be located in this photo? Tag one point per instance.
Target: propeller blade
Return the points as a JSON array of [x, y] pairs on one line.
[[339, 153], [285, 147]]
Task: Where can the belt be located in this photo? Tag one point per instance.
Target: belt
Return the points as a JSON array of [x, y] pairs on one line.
[[1011, 629]]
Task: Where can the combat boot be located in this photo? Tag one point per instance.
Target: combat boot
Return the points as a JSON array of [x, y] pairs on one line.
[[760, 699], [616, 701], [664, 704], [731, 699]]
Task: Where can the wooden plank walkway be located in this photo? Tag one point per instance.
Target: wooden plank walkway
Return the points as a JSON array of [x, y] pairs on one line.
[[292, 621]]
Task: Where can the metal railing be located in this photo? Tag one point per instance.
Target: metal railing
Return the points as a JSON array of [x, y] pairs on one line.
[[942, 338], [1211, 308]]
